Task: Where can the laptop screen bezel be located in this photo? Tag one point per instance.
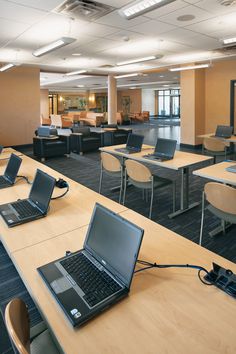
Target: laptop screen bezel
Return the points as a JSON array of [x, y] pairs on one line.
[[113, 271], [224, 131], [12, 160], [132, 147], [43, 209], [162, 154]]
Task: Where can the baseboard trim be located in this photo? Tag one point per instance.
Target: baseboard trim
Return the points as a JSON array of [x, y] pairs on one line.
[[192, 147]]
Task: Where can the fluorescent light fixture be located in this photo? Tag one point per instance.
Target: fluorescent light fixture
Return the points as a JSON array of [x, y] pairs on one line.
[[76, 54], [229, 40], [138, 60], [7, 67], [126, 75], [200, 66], [80, 85], [140, 7], [52, 46], [76, 72]]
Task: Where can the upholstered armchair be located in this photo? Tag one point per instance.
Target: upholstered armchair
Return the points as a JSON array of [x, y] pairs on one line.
[[83, 140], [115, 135], [44, 147]]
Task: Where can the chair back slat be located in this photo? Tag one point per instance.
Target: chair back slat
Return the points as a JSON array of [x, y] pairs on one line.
[[221, 197], [17, 323], [137, 171]]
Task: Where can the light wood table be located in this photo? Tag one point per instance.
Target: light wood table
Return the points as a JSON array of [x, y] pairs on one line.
[[65, 214], [167, 311], [6, 153], [218, 173], [182, 161], [232, 139]]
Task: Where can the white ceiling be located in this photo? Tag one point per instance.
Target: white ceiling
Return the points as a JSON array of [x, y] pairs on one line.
[[26, 25]]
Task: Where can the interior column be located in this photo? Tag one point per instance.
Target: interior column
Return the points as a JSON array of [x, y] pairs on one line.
[[192, 106], [112, 100]]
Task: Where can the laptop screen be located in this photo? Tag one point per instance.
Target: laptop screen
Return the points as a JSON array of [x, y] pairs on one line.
[[114, 242], [165, 147], [224, 131], [41, 190], [134, 141], [12, 168]]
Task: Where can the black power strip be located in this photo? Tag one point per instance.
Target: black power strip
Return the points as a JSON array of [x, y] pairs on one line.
[[223, 278]]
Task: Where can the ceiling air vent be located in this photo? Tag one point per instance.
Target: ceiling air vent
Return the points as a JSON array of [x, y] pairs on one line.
[[227, 2], [84, 9]]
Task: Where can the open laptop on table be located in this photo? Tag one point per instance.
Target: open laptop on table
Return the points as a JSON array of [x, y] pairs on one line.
[[88, 281], [133, 145], [35, 206], [164, 150], [223, 131], [10, 174]]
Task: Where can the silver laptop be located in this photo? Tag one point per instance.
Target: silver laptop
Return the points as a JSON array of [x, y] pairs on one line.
[[47, 132], [90, 280], [133, 145], [10, 174], [164, 150], [35, 206]]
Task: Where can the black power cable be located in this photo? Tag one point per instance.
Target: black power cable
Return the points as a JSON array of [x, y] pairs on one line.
[[25, 178], [60, 183], [149, 265]]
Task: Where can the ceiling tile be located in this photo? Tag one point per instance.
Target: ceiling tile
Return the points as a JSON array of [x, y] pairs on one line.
[[173, 6], [115, 3], [47, 5], [215, 7], [115, 19], [199, 15], [10, 30], [153, 28], [14, 12]]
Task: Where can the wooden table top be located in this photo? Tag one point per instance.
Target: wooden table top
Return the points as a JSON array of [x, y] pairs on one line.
[[65, 214], [6, 153], [181, 159], [167, 311], [232, 139], [218, 173]]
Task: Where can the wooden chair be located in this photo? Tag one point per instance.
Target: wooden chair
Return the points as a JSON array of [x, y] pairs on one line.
[[222, 203], [17, 323], [140, 176], [111, 166], [214, 147]]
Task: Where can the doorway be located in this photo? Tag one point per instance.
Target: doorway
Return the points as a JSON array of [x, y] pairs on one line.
[[168, 102]]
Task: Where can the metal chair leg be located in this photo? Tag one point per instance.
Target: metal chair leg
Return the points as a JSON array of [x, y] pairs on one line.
[[202, 218], [151, 202], [100, 181], [121, 185], [174, 196], [125, 184], [223, 223]]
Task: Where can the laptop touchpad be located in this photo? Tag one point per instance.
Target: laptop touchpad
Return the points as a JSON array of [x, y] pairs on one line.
[[60, 285]]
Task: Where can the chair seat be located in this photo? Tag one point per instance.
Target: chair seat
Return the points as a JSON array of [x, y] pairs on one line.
[[43, 344], [231, 218]]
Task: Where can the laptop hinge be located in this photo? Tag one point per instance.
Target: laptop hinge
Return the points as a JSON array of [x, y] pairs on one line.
[[35, 205]]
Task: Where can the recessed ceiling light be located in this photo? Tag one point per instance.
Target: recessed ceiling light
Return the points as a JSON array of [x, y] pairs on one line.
[[80, 85], [132, 88], [127, 75], [76, 72], [140, 7], [229, 40], [52, 46], [166, 85], [161, 75], [138, 60], [185, 18], [76, 54], [192, 67], [7, 67]]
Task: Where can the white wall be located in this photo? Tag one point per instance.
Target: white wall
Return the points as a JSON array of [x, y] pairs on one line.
[[148, 101]]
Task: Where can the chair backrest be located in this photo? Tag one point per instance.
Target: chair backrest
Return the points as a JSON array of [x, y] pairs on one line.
[[56, 120], [110, 163], [221, 197], [213, 144], [17, 323], [83, 130], [137, 171]]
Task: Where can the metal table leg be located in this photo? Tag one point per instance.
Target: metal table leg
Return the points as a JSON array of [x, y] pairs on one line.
[[184, 195]]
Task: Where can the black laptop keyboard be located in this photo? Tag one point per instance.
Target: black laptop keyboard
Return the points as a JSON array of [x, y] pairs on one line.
[[3, 182], [97, 285], [25, 209]]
